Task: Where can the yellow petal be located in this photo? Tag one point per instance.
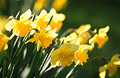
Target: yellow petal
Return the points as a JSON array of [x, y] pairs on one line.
[[115, 59], [116, 62], [52, 11], [81, 57], [38, 45], [83, 28], [30, 40], [64, 55], [42, 13], [103, 68], [84, 48], [5, 47], [102, 74], [26, 15], [59, 17], [112, 70], [102, 32], [11, 24], [3, 41]]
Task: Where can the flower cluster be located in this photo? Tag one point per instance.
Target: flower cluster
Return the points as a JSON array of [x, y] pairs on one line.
[[42, 29], [45, 26], [75, 46]]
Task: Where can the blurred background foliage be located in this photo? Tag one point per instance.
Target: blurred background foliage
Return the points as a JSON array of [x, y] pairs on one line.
[[98, 13]]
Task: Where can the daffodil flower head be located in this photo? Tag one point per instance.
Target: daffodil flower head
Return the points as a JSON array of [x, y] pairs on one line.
[[43, 38], [3, 41], [77, 39], [20, 27], [64, 55], [81, 55], [111, 66], [70, 38], [80, 36], [83, 28], [83, 38], [57, 19], [42, 20], [101, 37]]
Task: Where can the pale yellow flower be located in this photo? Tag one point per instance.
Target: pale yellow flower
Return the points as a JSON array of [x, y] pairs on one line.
[[83, 28], [59, 4], [101, 37], [111, 66], [20, 27], [3, 41], [83, 34], [70, 38], [57, 19], [83, 38], [64, 55], [79, 37], [42, 20], [44, 38], [81, 55]]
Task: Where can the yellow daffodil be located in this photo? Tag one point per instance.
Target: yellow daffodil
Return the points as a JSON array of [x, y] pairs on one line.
[[3, 41], [20, 27], [57, 19], [70, 38], [83, 38], [79, 37], [111, 66], [101, 37], [42, 20], [44, 38], [39, 4], [83, 28], [81, 55], [59, 4], [64, 55]]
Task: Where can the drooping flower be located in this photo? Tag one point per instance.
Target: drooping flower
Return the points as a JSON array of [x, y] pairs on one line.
[[59, 4], [64, 55], [20, 27], [83, 34], [79, 37], [111, 66], [70, 38], [83, 38], [3, 41], [101, 37], [44, 38], [57, 19], [81, 55], [83, 28]]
